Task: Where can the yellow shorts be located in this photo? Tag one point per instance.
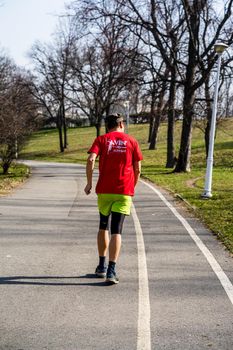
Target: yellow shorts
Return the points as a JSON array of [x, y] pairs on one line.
[[119, 203]]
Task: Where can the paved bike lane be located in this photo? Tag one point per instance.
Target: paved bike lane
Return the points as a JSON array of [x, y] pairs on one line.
[[189, 306], [50, 298]]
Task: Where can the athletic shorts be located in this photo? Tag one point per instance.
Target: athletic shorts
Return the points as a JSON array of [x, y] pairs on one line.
[[119, 203]]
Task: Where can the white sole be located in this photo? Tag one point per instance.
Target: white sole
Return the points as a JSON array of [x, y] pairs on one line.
[[112, 281]]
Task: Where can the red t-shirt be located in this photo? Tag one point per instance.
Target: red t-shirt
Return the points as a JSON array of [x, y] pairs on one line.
[[117, 151]]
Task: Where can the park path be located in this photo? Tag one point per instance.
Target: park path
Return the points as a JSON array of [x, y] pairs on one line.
[[175, 277]]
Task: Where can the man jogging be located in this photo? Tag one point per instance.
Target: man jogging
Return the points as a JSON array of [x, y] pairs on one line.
[[119, 171]]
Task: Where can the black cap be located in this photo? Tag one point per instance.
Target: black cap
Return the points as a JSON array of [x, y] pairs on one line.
[[112, 121], [114, 118]]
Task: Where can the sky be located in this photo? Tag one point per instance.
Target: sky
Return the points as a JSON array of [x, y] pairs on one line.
[[22, 22]]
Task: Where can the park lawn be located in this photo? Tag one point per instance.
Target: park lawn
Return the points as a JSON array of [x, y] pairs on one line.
[[216, 213], [16, 176]]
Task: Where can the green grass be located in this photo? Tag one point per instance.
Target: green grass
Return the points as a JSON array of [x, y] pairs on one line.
[[216, 213], [16, 176], [44, 145]]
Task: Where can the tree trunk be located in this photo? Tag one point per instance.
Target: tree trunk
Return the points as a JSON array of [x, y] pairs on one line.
[[64, 126], [171, 159], [183, 162], [171, 122], [61, 140], [159, 110], [107, 110], [152, 111], [5, 168], [65, 133], [155, 129], [152, 117], [97, 126], [99, 121], [59, 126]]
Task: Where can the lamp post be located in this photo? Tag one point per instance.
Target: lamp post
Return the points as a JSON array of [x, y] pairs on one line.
[[127, 115], [219, 48]]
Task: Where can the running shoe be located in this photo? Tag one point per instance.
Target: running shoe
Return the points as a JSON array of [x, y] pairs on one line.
[[112, 277], [101, 271]]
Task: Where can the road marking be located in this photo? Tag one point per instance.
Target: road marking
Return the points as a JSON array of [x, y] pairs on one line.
[[224, 280], [144, 335]]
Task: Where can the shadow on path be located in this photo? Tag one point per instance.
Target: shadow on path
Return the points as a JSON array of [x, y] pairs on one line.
[[49, 280]]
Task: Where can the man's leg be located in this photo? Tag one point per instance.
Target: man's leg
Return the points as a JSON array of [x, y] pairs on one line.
[[115, 245], [102, 244]]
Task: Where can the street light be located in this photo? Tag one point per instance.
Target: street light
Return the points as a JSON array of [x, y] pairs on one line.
[[219, 48], [126, 104]]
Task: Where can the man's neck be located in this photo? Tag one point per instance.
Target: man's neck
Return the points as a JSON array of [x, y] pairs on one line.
[[116, 129]]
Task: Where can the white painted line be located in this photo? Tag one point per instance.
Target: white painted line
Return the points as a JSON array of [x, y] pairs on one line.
[[144, 334], [224, 280]]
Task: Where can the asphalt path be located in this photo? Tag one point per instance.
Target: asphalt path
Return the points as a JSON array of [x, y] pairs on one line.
[[175, 289]]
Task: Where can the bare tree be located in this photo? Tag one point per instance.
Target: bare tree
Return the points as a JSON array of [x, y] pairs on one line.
[[18, 113], [52, 75], [158, 25], [106, 68], [201, 59], [194, 57]]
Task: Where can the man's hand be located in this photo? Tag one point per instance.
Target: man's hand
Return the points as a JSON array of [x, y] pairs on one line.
[[89, 170], [87, 189], [137, 171]]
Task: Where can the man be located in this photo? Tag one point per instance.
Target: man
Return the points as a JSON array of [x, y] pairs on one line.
[[119, 171]]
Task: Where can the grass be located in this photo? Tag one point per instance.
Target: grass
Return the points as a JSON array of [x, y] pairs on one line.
[[16, 176], [44, 145], [216, 213]]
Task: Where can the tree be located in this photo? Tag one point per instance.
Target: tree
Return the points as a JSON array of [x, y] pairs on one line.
[[196, 57], [18, 112], [159, 27], [52, 75], [202, 37], [106, 68]]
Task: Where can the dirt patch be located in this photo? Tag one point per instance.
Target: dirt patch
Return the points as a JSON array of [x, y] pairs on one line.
[[192, 183]]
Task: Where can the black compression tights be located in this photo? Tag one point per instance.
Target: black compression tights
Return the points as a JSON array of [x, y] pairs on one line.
[[117, 221]]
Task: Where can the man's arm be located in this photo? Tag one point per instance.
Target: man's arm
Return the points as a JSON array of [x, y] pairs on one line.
[[137, 171], [89, 171]]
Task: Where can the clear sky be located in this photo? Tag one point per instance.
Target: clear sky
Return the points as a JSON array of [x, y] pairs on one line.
[[24, 21]]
